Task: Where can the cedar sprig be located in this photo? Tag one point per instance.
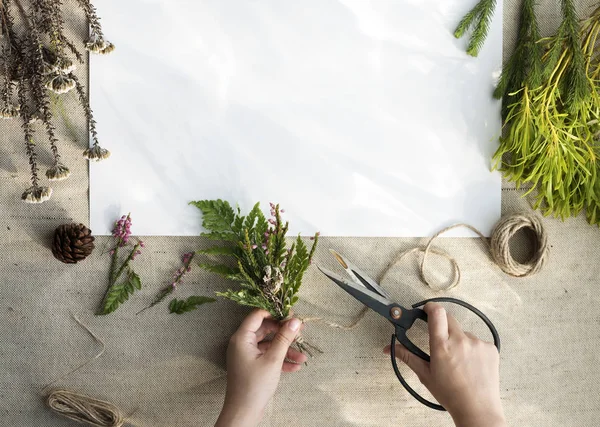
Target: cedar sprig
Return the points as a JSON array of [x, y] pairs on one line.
[[479, 20], [35, 60], [268, 272], [189, 304], [117, 293]]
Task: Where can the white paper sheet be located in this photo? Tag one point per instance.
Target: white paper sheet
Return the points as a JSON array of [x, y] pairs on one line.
[[362, 118]]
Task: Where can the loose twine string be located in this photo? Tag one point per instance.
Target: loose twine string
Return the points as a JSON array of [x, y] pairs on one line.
[[498, 246], [79, 407]]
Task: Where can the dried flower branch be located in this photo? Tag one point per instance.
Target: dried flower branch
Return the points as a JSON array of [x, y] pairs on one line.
[[117, 294], [35, 59]]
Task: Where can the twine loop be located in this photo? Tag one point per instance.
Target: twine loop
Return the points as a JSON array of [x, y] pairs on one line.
[[85, 409]]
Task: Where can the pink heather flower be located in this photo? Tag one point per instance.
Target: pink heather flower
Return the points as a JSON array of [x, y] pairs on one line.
[[282, 210], [187, 257], [264, 247], [122, 230], [267, 234], [254, 246], [267, 252], [272, 205], [188, 269], [272, 221], [142, 244], [174, 285], [111, 252], [312, 237]]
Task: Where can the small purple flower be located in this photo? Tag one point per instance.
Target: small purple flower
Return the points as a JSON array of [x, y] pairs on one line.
[[282, 210], [122, 230], [142, 244], [264, 247], [272, 221], [187, 257], [254, 246], [174, 285], [267, 234], [266, 252], [188, 269], [111, 252]]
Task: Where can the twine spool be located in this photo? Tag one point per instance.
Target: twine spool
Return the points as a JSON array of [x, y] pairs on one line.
[[85, 409], [506, 228]]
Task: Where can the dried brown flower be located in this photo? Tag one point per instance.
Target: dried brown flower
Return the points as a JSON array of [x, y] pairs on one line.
[[96, 45], [108, 49], [60, 83], [58, 172], [36, 194], [96, 153], [9, 112]]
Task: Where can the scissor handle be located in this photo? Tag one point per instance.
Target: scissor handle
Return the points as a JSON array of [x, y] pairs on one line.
[[400, 335]]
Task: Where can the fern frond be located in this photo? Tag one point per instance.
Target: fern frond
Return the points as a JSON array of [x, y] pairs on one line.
[[191, 303]]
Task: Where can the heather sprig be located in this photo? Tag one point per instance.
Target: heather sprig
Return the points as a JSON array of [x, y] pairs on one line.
[[176, 280], [117, 294]]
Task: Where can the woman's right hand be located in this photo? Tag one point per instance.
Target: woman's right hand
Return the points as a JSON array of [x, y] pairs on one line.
[[463, 374]]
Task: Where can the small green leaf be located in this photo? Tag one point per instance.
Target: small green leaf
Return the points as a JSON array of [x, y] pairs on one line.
[[191, 303], [218, 250], [135, 280], [223, 270]]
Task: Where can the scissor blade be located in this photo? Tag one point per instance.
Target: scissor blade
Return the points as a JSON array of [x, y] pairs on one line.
[[358, 275], [367, 297]]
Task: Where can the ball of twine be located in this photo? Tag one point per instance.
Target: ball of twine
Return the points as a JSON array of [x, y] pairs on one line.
[[85, 409], [506, 228]]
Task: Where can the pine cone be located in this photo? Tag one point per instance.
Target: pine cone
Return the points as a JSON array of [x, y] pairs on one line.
[[72, 243]]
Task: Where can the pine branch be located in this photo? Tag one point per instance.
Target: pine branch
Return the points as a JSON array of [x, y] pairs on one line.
[[191, 303], [480, 17]]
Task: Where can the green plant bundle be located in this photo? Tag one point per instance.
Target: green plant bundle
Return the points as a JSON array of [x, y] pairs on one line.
[[268, 272], [552, 114]]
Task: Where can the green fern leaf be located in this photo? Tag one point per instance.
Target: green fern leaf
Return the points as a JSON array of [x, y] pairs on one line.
[[191, 303]]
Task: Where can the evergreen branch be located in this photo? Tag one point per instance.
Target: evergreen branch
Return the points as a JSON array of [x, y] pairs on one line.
[[191, 303], [480, 17]]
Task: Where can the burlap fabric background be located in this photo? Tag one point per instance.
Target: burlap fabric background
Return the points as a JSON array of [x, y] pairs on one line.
[[169, 370]]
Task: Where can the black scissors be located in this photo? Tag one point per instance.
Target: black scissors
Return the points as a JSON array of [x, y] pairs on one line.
[[368, 292]]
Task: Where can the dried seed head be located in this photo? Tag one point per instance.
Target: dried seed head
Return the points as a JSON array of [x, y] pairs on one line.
[[67, 66], [9, 112], [96, 153], [108, 49], [48, 68], [35, 118], [58, 172], [61, 84], [96, 45], [36, 194]]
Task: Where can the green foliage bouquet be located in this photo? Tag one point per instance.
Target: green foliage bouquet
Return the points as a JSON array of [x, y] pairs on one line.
[[268, 272]]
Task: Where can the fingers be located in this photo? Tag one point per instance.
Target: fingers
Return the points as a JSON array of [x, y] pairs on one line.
[[454, 328], [283, 339], [437, 321], [254, 320], [268, 326], [418, 365], [292, 354]]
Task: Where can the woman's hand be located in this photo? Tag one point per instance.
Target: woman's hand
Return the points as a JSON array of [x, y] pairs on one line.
[[254, 367], [463, 374]]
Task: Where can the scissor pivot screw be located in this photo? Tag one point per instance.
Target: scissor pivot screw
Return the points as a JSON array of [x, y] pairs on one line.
[[395, 313]]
